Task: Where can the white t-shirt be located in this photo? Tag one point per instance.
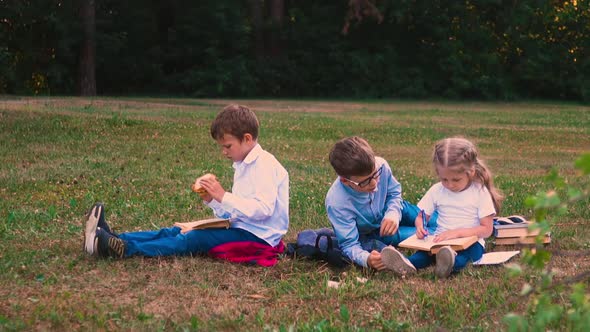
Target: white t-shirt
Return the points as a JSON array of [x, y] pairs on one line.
[[458, 209]]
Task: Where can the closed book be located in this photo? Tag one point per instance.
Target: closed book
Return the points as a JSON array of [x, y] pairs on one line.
[[515, 230], [428, 244], [521, 240]]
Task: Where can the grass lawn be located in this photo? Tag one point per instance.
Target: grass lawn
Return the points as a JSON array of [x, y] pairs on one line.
[[139, 156]]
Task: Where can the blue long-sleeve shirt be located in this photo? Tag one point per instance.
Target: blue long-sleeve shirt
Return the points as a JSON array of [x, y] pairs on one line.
[[353, 213]]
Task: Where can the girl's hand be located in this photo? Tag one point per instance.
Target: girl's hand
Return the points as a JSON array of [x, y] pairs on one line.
[[421, 232], [214, 189], [452, 234]]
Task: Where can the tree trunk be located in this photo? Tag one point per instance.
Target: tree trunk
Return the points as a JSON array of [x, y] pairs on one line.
[[87, 70], [257, 15], [277, 17]]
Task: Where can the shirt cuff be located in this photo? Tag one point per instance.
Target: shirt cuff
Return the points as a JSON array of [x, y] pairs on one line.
[[227, 202], [364, 256], [213, 204]]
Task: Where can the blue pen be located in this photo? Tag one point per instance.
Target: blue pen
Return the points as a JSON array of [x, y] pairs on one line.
[[424, 224]]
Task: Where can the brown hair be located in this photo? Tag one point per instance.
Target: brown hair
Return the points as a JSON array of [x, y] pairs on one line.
[[235, 120], [461, 155], [352, 156]]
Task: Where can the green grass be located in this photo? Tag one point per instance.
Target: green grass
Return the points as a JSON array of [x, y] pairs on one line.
[[139, 156]]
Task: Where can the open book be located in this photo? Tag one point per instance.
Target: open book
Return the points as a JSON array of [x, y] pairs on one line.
[[428, 244], [202, 224]]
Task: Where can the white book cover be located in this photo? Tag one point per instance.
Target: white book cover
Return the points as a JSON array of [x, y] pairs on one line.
[[496, 257]]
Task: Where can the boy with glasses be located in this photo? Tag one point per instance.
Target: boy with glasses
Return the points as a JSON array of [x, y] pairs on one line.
[[365, 204]]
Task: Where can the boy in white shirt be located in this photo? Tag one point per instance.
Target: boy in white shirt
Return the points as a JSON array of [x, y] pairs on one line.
[[258, 204]]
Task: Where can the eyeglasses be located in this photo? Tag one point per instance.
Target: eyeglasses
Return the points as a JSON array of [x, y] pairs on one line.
[[368, 180]]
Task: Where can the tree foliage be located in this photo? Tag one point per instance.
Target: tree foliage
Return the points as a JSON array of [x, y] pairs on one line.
[[485, 49], [546, 310]]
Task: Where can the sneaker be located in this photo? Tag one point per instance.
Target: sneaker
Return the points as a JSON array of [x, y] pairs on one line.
[[92, 220], [396, 261], [445, 260], [108, 245], [102, 223]]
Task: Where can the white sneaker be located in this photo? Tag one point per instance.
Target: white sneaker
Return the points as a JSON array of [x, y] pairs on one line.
[[445, 261], [90, 229], [396, 261]]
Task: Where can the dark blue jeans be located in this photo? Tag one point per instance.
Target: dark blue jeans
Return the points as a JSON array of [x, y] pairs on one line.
[[170, 242], [407, 227], [422, 259]]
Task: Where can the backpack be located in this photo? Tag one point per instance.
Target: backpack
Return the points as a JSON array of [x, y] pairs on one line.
[[318, 244]]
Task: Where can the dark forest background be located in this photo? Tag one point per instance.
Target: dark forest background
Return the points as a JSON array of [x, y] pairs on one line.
[[477, 49]]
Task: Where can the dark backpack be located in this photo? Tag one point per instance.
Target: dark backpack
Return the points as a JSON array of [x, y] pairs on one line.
[[319, 244]]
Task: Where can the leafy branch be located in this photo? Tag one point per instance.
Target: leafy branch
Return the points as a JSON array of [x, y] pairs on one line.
[[544, 309]]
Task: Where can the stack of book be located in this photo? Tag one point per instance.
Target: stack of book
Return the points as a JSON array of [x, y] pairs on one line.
[[516, 230]]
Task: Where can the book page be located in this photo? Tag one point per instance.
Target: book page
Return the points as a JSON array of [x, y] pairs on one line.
[[497, 257]]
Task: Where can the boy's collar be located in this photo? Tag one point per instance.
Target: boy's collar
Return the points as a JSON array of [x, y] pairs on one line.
[[252, 155]]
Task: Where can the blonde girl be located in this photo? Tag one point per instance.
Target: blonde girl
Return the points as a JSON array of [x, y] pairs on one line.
[[466, 201]]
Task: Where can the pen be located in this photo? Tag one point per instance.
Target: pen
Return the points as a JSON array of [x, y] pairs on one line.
[[424, 224]]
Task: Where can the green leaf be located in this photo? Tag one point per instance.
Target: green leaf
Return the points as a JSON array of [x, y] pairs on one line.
[[11, 217], [515, 323], [579, 297], [551, 199], [531, 201], [554, 178], [539, 258], [562, 210], [514, 270], [583, 163], [344, 314], [574, 193], [195, 323]]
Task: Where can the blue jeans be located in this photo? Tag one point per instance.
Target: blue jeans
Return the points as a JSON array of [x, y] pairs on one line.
[[422, 259], [171, 242], [407, 227]]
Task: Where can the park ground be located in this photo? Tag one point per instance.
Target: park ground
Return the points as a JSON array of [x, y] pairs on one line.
[[139, 156]]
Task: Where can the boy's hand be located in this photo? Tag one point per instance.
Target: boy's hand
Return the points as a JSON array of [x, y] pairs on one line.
[[200, 190], [374, 261], [388, 227], [206, 197], [214, 189]]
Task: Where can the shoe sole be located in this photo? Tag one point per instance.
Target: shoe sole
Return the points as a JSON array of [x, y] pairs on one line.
[[445, 260], [396, 262], [90, 229]]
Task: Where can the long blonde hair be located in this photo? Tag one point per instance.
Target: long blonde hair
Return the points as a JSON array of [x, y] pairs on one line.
[[461, 155]]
